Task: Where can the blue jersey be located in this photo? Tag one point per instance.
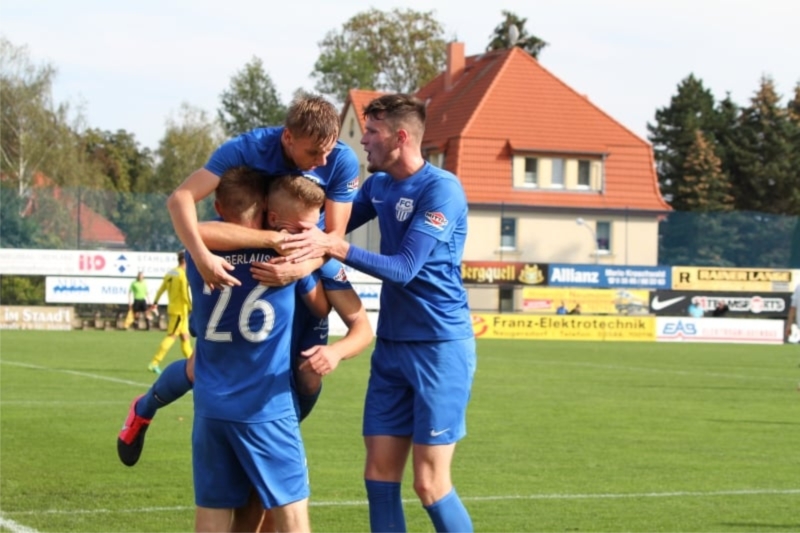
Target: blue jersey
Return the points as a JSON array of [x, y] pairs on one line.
[[309, 330], [432, 306], [242, 353], [261, 150]]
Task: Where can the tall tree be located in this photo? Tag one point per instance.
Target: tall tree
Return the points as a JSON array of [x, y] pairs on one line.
[[251, 101], [189, 140], [119, 158], [398, 50], [763, 152], [35, 133], [673, 134], [704, 187], [512, 32]]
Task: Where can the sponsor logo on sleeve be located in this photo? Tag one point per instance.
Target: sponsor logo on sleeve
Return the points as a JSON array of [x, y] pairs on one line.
[[436, 219]]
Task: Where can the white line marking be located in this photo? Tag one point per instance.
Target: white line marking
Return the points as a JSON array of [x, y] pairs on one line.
[[510, 497], [15, 527], [77, 373]]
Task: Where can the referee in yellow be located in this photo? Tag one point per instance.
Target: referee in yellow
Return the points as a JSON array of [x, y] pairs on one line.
[[176, 286]]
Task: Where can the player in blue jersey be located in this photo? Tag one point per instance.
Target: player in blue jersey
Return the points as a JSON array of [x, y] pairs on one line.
[[307, 142], [424, 358], [246, 434]]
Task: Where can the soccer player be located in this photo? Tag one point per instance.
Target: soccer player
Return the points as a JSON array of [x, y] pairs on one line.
[[424, 359], [307, 142], [137, 299], [178, 310]]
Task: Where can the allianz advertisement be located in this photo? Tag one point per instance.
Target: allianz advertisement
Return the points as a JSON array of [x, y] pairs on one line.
[[609, 277]]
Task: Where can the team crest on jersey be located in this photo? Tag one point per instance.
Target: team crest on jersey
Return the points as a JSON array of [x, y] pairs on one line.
[[340, 276], [311, 177], [352, 185], [436, 219], [403, 209]]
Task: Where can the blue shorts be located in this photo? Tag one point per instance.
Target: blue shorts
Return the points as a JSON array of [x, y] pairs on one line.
[[230, 459], [420, 389]]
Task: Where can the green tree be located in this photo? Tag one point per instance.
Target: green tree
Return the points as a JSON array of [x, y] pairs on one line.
[[763, 153], [189, 140], [512, 32], [35, 132], [399, 51], [691, 109], [125, 166], [251, 101], [704, 187]]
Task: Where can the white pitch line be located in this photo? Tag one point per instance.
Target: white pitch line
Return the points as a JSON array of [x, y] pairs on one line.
[[77, 373], [15, 527], [510, 497]]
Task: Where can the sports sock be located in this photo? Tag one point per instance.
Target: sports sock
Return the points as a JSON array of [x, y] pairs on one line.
[[449, 514], [170, 385], [385, 506], [163, 348], [186, 348]]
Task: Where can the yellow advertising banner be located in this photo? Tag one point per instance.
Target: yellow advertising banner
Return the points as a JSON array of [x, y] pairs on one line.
[[564, 327], [591, 301], [731, 279]]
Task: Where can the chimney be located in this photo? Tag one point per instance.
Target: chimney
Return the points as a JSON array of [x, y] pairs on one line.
[[455, 64]]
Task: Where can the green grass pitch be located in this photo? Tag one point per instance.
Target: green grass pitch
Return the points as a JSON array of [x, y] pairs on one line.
[[562, 436]]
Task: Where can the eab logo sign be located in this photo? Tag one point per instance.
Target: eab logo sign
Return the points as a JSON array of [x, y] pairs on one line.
[[677, 329]]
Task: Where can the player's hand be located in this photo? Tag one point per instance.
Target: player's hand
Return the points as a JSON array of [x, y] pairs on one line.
[[214, 270], [321, 360], [278, 272], [311, 243]]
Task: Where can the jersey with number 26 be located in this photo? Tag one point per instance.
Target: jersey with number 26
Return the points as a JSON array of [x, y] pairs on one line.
[[242, 354]]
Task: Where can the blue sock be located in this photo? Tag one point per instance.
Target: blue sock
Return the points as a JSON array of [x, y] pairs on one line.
[[385, 506], [170, 385], [450, 515]]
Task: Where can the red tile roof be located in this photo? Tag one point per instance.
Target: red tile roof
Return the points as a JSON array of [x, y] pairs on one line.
[[503, 102], [358, 100], [95, 228]]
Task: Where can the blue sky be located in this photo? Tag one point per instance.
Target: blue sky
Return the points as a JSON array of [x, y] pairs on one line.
[[130, 65]]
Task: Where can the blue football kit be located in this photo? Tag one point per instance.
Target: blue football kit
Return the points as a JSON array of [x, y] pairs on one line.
[[424, 358], [261, 150], [246, 433], [310, 330]]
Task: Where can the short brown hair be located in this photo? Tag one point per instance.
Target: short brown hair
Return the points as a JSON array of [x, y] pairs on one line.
[[312, 116], [300, 188], [240, 194], [397, 109]]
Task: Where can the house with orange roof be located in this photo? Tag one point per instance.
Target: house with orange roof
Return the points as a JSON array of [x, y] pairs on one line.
[[93, 231], [549, 176]]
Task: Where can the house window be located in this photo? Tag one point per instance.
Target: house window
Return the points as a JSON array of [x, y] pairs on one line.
[[584, 174], [604, 237], [531, 171], [508, 233], [557, 180], [436, 159], [506, 299]]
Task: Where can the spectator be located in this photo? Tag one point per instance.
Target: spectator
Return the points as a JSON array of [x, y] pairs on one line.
[[695, 310], [721, 309], [562, 309], [576, 310]]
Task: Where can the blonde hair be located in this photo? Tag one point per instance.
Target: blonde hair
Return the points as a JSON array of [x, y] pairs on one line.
[[299, 189], [312, 116]]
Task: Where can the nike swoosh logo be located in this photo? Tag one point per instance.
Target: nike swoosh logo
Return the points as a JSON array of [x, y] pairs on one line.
[[437, 433], [658, 305], [376, 201]]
